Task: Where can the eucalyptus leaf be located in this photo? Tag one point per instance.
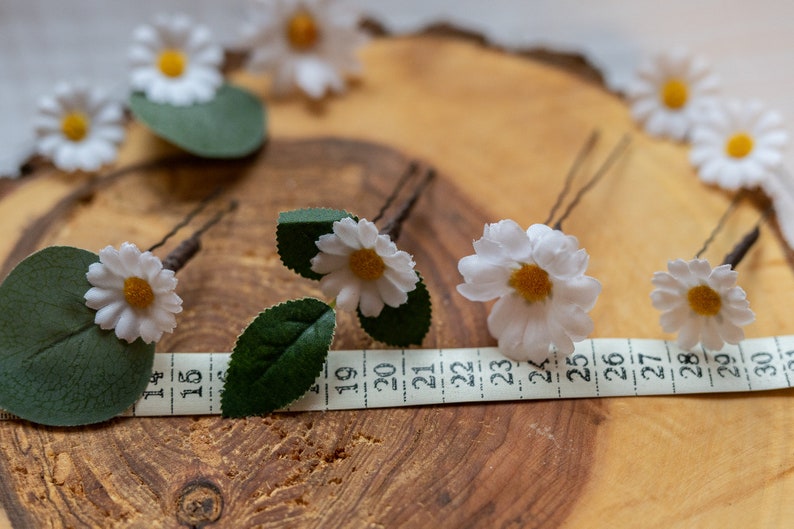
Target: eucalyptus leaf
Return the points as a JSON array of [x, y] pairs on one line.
[[231, 125], [297, 233], [56, 366], [278, 357], [404, 325]]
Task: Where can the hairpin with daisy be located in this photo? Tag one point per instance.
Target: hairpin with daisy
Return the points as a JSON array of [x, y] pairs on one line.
[[86, 349], [537, 276], [359, 267], [740, 145], [308, 45], [735, 144], [703, 304]]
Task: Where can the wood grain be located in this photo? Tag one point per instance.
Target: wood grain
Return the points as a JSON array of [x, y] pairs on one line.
[[501, 130], [266, 469]]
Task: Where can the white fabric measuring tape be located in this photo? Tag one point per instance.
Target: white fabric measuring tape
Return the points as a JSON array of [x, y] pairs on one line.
[[192, 383]]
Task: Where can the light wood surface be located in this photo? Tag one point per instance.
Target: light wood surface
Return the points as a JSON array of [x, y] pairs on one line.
[[502, 131]]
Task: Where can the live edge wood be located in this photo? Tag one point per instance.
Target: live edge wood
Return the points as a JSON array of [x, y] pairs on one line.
[[502, 131]]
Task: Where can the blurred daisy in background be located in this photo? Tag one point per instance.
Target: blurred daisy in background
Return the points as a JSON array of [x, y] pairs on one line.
[[308, 45], [739, 144], [175, 61], [672, 91], [78, 127]]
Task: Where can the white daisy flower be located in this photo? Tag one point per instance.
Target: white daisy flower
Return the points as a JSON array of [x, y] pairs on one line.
[[305, 44], [132, 294], [739, 144], [671, 92], [538, 276], [701, 304], [362, 268], [175, 61], [78, 128]]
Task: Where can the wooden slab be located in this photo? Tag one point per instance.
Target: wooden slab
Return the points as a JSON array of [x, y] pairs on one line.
[[502, 131]]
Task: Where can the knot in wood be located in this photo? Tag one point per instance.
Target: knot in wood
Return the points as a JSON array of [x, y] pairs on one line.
[[199, 503]]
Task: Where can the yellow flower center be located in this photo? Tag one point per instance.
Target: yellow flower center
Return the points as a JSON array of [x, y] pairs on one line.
[[367, 264], [739, 145], [675, 94], [172, 62], [302, 31], [138, 292], [75, 125], [704, 300], [532, 282]]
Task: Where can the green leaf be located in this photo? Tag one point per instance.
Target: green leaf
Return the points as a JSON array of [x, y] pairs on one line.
[[297, 232], [56, 366], [278, 357], [231, 125], [405, 325]]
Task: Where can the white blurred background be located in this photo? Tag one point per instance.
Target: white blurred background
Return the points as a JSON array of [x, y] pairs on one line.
[[750, 44]]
